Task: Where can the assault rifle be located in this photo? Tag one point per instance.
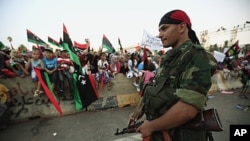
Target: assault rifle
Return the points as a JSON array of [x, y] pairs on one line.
[[129, 129], [132, 129]]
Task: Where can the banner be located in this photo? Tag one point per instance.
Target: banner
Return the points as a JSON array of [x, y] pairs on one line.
[[219, 56], [151, 42]]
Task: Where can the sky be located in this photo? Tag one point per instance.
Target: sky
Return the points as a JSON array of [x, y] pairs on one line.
[[126, 19]]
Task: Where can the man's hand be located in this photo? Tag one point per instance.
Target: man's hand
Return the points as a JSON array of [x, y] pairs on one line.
[[145, 129], [131, 119]]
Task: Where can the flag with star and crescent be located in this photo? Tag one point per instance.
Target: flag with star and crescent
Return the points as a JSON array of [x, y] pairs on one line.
[[88, 93], [33, 38]]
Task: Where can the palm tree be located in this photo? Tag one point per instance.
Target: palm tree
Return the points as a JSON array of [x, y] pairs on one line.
[[10, 40]]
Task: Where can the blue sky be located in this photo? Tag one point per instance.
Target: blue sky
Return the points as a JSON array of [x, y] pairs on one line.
[[115, 18]]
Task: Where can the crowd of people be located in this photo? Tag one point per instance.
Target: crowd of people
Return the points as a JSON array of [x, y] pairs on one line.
[[104, 66], [182, 77]]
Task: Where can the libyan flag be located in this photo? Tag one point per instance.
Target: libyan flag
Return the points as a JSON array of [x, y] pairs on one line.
[[34, 38], [47, 87], [78, 69], [84, 85], [53, 42], [107, 45], [234, 50], [80, 46], [67, 39], [87, 89]]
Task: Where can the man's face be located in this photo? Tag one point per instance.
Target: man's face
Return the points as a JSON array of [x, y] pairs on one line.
[[169, 34]]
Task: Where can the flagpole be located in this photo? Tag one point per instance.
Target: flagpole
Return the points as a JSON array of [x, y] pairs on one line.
[[102, 42]]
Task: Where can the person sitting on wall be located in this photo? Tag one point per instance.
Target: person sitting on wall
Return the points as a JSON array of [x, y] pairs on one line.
[[50, 66], [17, 63], [114, 66], [102, 75], [64, 64], [30, 65]]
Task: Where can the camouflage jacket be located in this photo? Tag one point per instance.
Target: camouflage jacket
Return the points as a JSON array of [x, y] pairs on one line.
[[189, 68]]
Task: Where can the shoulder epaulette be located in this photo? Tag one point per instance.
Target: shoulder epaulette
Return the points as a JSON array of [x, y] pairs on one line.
[[198, 47]]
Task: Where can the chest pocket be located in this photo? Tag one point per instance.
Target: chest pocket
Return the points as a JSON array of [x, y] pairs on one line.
[[175, 63]]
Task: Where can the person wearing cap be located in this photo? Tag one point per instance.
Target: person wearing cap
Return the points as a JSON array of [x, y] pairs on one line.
[[183, 80], [50, 66]]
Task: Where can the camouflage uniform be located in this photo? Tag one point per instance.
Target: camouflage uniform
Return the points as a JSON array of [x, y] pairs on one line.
[[187, 71]]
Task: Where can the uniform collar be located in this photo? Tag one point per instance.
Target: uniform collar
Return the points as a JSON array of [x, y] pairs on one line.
[[179, 49]]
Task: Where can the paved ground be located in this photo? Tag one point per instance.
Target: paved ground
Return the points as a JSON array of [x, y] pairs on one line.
[[100, 125]]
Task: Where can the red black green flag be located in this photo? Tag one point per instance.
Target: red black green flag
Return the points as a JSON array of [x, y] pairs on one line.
[[84, 85], [107, 45], [234, 50], [78, 68], [67, 39], [34, 38], [87, 89], [47, 87], [53, 42], [80, 46]]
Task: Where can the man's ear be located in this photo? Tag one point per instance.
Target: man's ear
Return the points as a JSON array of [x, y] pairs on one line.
[[182, 27]]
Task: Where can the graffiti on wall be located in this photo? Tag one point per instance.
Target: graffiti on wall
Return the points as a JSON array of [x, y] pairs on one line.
[[23, 101]]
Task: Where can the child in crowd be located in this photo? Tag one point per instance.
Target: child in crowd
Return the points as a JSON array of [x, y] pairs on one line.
[[88, 68], [50, 66], [17, 63], [102, 76], [123, 64], [64, 64], [133, 71], [114, 66], [148, 75], [31, 64]]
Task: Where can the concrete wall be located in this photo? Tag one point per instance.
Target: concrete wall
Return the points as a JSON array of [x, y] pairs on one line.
[[24, 106]]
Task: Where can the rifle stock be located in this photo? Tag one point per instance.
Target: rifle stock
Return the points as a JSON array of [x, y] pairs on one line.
[[208, 119]]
